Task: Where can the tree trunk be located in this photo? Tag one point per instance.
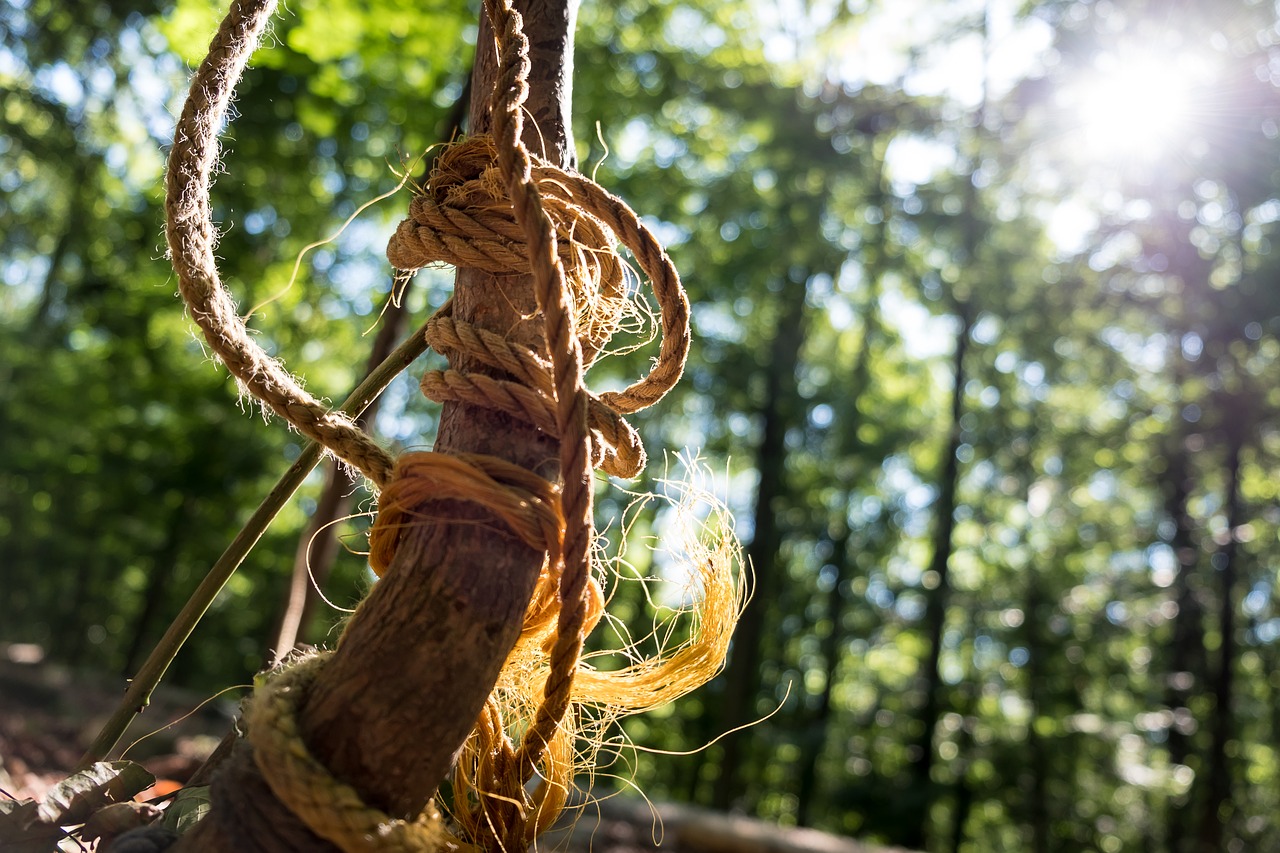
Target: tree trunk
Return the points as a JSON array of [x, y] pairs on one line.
[[1218, 799], [1034, 615], [1186, 657], [937, 598], [390, 709], [848, 446], [158, 581], [815, 738], [742, 676], [72, 228], [963, 793]]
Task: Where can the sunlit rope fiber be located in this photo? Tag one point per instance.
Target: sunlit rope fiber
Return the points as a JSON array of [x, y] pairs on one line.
[[192, 237], [492, 206]]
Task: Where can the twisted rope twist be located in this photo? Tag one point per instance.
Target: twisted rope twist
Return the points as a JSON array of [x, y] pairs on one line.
[[466, 218], [192, 237], [492, 206], [331, 808]]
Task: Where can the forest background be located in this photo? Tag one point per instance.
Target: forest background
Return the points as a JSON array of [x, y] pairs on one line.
[[987, 341]]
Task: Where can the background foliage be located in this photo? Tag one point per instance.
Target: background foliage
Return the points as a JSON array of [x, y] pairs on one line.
[[991, 385]]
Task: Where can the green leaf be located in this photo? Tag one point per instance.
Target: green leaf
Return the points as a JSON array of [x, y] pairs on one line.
[[75, 798], [117, 819], [187, 809]]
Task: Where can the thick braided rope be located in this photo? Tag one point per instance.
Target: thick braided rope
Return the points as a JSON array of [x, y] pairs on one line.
[[192, 237], [615, 445], [571, 397], [331, 808], [459, 222], [526, 502]]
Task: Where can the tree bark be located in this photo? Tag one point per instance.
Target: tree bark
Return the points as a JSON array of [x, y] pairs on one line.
[[395, 702]]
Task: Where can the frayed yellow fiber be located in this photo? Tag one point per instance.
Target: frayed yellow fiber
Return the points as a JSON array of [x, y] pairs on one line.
[[704, 573]]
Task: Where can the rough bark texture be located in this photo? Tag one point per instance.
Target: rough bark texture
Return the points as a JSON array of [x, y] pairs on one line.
[[396, 701]]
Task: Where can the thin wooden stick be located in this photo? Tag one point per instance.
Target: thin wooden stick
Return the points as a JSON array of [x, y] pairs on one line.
[[138, 695]]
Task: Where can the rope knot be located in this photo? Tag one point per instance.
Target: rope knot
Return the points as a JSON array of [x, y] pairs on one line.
[[464, 217], [490, 206]]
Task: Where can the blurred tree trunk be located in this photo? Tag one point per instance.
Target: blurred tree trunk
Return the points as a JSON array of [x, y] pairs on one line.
[[815, 738], [1037, 649], [52, 287], [837, 602], [937, 596], [1187, 654], [962, 789], [1218, 805], [742, 676], [391, 707], [158, 581]]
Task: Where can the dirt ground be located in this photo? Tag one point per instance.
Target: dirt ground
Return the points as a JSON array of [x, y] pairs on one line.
[[48, 716]]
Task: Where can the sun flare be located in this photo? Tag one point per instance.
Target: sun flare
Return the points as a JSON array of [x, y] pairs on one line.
[[1138, 105]]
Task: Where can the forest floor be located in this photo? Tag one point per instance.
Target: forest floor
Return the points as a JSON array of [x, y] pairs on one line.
[[48, 716]]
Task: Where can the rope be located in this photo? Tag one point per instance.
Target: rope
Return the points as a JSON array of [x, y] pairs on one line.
[[332, 809], [192, 239], [464, 218], [615, 445], [489, 205]]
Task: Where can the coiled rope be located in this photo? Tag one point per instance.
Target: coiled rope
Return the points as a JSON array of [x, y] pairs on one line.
[[490, 205]]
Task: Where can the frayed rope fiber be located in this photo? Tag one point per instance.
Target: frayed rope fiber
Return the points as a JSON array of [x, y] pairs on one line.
[[488, 205]]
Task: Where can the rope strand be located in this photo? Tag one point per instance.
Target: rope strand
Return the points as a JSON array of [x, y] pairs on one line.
[[493, 206], [192, 237]]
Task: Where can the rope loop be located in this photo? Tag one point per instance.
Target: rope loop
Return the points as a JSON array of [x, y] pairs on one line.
[[192, 239], [489, 205], [526, 502], [465, 217], [530, 396], [331, 808]]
